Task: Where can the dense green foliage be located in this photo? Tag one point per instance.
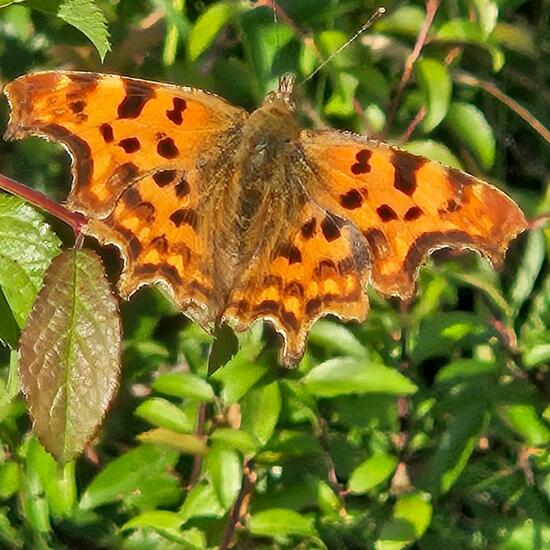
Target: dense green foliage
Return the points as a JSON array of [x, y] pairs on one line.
[[427, 425]]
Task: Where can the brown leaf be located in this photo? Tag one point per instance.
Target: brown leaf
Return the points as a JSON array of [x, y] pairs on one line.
[[70, 353]]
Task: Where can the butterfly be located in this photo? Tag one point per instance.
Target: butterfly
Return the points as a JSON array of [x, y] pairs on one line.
[[245, 216]]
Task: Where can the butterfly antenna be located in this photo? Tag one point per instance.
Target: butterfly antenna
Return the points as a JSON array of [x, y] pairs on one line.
[[372, 19]]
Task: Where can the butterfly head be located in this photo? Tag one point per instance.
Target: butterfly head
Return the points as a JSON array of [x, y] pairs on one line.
[[285, 93]]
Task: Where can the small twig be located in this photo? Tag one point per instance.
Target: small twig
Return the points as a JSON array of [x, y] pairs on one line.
[[490, 88], [74, 219], [538, 221], [237, 512], [197, 462], [431, 9], [413, 125]]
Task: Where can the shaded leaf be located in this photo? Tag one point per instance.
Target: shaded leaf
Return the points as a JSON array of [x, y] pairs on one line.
[[128, 473], [435, 82], [523, 419], [471, 127], [279, 522], [224, 469], [70, 353]]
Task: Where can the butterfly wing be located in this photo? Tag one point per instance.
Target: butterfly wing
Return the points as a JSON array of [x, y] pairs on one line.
[[406, 206], [318, 266], [136, 146]]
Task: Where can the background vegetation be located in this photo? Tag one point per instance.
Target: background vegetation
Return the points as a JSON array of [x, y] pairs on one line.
[[426, 426]]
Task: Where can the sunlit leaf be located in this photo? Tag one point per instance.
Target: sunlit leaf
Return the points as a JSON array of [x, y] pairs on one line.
[[371, 472], [281, 523], [224, 469], [70, 353], [435, 82]]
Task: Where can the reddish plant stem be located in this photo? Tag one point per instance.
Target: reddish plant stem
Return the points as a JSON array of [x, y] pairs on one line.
[[237, 511], [431, 9], [74, 219], [197, 462]]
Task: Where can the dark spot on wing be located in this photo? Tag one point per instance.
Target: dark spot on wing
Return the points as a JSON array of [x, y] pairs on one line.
[[130, 145], [362, 165], [413, 213], [273, 280], [294, 289], [352, 199], [313, 306], [137, 95], [161, 244], [326, 268], [290, 320], [330, 226], [167, 148], [267, 306], [184, 216], [308, 229], [164, 177], [291, 253], [406, 166], [346, 266], [182, 187], [77, 106], [127, 172], [176, 114], [386, 213], [106, 131], [145, 211]]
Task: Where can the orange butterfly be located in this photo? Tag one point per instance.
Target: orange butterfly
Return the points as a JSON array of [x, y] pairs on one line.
[[247, 216]]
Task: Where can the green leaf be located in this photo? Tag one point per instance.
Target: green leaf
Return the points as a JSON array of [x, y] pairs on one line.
[[27, 246], [435, 82], [517, 37], [279, 522], [10, 479], [336, 337], [184, 384], [471, 127], [164, 414], [12, 387], [8, 534], [224, 469], [208, 26], [73, 335], [347, 375], [433, 150], [487, 12], [412, 515], [260, 411], [406, 20], [128, 473], [524, 419], [528, 269], [237, 440], [462, 369], [242, 372], [441, 333], [186, 443], [341, 102], [84, 15], [202, 501], [9, 331], [458, 441], [371, 472]]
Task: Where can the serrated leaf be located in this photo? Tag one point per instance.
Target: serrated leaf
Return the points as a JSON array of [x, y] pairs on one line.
[[84, 15], [70, 353], [128, 473], [469, 124], [435, 82], [27, 246], [208, 26], [280, 522], [346, 375]]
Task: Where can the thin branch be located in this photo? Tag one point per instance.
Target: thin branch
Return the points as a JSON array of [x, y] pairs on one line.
[[197, 462], [513, 105], [74, 219], [431, 9], [422, 112], [238, 510]]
